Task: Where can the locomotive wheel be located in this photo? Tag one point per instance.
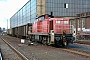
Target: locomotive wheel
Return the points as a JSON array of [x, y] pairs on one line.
[[44, 41], [48, 44], [40, 39]]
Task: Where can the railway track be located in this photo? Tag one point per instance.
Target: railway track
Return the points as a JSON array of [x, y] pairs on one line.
[[15, 51], [72, 50], [77, 51]]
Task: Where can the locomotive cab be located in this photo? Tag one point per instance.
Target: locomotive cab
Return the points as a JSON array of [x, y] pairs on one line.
[[62, 30]]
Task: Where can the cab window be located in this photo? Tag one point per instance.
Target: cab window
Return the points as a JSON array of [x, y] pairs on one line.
[[58, 22]]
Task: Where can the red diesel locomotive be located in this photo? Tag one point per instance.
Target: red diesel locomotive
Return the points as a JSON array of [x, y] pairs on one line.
[[48, 30]]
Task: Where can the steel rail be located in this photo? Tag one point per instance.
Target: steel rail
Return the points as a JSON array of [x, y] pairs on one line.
[[73, 51], [77, 51], [18, 53]]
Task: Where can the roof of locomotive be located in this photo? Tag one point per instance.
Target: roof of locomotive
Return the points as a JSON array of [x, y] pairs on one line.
[[44, 16], [59, 18], [50, 17]]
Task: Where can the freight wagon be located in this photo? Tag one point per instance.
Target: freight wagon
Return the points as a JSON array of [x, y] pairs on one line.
[[52, 31], [20, 31], [9, 31]]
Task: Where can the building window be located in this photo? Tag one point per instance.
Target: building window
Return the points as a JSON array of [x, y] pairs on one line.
[[65, 5]]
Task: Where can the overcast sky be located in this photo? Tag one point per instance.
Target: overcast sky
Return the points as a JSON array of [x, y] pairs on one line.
[[7, 9]]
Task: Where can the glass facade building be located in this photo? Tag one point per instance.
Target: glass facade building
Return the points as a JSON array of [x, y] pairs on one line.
[[34, 8]]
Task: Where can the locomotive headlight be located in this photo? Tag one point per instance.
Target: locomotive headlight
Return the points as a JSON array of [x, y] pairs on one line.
[[52, 33]]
